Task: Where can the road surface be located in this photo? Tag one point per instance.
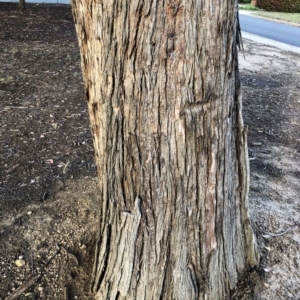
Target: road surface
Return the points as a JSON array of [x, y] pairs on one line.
[[271, 30]]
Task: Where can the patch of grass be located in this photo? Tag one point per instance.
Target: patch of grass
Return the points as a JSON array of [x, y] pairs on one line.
[[248, 7], [6, 79], [289, 17]]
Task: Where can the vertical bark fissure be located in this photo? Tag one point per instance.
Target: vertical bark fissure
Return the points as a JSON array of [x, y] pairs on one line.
[[101, 266]]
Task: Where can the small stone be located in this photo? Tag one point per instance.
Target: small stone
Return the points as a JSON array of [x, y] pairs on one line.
[[29, 213], [20, 262], [21, 257], [28, 294], [40, 288], [83, 246]]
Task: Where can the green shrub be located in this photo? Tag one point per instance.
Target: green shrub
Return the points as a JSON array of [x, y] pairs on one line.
[[244, 1], [292, 6]]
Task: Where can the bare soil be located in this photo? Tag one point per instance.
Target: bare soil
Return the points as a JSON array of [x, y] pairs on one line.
[[48, 191], [47, 183], [271, 85]]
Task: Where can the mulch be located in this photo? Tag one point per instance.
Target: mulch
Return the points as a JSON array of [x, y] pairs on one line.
[[44, 130]]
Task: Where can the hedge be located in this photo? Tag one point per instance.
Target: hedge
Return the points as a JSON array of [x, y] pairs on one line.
[[292, 6]]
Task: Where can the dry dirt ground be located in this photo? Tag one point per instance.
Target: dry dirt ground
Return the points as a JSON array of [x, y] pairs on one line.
[[48, 193]]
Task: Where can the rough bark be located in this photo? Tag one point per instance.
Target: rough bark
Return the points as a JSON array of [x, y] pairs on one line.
[[163, 93]]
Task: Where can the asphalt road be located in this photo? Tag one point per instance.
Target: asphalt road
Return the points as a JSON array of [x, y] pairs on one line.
[[272, 30]]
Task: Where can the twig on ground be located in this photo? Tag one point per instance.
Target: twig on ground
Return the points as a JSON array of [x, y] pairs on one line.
[[14, 107], [267, 235], [24, 287], [33, 279], [66, 293]]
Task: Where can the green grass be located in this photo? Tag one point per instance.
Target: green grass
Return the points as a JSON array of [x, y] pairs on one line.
[[290, 17], [247, 7]]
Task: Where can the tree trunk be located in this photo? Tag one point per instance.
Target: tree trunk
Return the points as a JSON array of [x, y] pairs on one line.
[[163, 93], [22, 4]]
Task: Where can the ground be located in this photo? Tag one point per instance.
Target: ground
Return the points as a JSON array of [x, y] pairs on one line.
[[272, 111], [48, 190]]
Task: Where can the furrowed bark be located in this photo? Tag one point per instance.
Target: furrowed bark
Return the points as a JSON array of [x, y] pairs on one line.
[[163, 93]]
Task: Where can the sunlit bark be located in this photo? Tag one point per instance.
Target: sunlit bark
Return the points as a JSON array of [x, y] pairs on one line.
[[163, 93]]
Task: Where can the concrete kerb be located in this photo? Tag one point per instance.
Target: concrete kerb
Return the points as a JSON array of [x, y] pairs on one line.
[[269, 42]]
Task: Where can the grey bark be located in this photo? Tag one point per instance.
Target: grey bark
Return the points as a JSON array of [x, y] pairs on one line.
[[163, 93]]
